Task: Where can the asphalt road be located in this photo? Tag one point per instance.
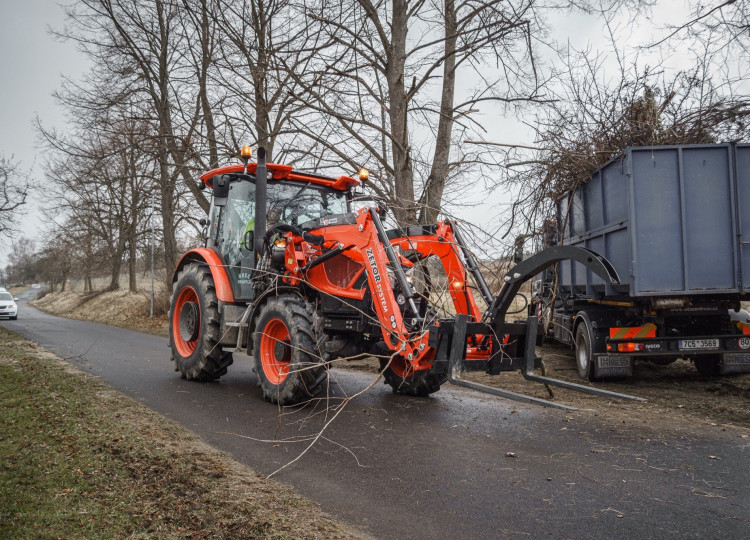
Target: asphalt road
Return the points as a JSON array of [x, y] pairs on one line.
[[456, 465]]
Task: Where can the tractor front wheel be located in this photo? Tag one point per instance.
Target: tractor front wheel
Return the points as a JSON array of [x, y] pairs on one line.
[[194, 326], [288, 363], [399, 375]]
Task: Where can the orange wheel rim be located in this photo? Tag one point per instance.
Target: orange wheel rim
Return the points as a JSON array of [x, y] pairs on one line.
[[401, 367], [186, 322], [275, 351]]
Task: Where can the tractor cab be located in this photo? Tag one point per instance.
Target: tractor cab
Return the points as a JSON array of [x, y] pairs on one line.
[[237, 223]]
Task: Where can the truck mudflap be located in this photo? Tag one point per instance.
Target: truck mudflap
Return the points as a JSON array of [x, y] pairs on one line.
[[518, 353], [611, 366], [738, 362]]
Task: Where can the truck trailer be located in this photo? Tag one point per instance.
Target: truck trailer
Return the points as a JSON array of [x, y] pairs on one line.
[[674, 221]]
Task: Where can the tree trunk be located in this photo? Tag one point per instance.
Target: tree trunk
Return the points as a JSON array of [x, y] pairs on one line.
[[433, 192], [132, 285], [115, 269], [404, 210], [205, 32]]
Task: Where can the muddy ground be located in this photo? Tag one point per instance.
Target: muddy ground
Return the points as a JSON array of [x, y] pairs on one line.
[[675, 392]]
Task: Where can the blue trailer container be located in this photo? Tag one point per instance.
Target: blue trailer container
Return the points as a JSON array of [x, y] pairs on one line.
[[674, 221], [671, 219]]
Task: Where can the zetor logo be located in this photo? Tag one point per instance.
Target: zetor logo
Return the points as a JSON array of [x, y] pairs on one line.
[[377, 277], [373, 265]]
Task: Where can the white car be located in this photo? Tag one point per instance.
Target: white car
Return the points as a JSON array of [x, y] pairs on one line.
[[8, 306]]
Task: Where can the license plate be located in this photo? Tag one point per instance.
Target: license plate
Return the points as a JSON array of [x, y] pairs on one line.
[[698, 344]]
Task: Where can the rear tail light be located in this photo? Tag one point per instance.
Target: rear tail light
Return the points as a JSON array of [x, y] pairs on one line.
[[627, 347]]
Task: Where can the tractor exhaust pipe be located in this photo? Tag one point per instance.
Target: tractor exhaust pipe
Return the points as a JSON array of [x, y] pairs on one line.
[[261, 181]]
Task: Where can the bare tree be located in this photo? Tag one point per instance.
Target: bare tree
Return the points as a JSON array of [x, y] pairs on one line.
[[101, 174], [14, 189], [138, 47], [594, 119], [21, 268], [719, 26], [383, 89]]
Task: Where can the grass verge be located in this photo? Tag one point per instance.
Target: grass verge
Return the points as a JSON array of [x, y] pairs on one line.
[[80, 460]]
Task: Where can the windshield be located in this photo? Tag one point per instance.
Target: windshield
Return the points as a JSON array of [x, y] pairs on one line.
[[5, 296], [298, 203]]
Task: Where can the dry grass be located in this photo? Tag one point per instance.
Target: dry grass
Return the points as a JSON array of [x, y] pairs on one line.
[[118, 308], [80, 460]]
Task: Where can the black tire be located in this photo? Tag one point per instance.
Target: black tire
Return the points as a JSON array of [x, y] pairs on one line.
[[708, 365], [287, 350], [15, 317], [195, 326], [584, 352], [419, 383]]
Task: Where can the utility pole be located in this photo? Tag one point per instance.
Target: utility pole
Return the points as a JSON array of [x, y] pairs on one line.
[[153, 245]]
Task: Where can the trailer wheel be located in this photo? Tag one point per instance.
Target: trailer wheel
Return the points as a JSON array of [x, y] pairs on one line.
[[288, 362], [195, 327], [413, 383], [708, 365], [584, 352]]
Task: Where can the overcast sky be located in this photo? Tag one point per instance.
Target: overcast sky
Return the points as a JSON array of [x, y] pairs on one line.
[[31, 66], [33, 62]]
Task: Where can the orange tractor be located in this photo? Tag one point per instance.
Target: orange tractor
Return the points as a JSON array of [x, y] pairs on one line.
[[296, 278]]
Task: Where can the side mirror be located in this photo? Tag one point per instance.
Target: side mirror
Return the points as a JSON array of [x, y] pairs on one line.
[[221, 190], [15, 299], [248, 241]]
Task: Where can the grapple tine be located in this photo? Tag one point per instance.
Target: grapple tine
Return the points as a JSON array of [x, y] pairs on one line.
[[529, 362], [457, 355]]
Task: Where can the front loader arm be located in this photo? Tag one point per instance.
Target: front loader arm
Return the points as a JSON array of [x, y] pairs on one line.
[[444, 241], [365, 240]]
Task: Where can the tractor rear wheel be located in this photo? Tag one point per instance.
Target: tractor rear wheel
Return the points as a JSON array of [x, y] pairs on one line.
[[288, 361], [195, 326], [402, 378]]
